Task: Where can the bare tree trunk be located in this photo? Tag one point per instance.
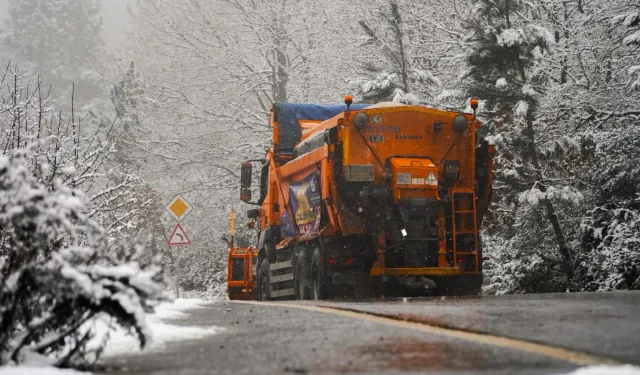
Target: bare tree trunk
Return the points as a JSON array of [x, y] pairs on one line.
[[405, 76], [548, 205], [281, 76], [397, 25]]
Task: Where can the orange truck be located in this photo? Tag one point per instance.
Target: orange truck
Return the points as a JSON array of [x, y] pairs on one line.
[[241, 283], [369, 200]]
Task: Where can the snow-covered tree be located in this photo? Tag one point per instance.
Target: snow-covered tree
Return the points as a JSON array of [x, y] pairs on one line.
[[505, 71], [126, 95], [64, 257], [629, 21], [394, 69], [610, 250]]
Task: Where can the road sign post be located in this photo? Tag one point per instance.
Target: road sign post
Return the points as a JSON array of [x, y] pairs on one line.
[[178, 208]]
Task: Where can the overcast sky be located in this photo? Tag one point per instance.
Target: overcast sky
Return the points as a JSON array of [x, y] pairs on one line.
[[115, 16]]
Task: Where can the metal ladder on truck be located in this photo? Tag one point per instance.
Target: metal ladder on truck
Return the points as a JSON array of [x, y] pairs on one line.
[[464, 230]]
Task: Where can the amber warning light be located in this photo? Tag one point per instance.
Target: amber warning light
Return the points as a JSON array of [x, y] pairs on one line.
[[348, 100]]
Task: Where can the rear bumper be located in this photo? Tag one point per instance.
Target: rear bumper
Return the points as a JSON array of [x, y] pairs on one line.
[[241, 294], [355, 276], [348, 276]]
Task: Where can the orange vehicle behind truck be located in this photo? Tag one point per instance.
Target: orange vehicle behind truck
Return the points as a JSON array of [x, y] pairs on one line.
[[359, 200], [241, 283]]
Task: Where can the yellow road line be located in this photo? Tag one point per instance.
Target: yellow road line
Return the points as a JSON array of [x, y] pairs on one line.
[[571, 356]]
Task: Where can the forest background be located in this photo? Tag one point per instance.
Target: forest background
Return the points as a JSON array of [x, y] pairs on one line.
[[178, 93]]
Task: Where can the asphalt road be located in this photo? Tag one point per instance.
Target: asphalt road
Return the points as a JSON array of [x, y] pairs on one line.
[[270, 339]]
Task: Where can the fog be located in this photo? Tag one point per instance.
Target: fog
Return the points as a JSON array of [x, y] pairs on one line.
[[116, 21], [115, 16]]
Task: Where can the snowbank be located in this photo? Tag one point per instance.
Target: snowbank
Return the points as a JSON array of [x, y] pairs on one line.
[[607, 370], [27, 370], [121, 344], [162, 332]]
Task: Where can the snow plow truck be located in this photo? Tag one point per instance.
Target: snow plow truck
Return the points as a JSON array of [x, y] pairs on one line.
[[241, 283], [369, 200]]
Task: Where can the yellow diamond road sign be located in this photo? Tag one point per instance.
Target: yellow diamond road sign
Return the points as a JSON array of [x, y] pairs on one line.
[[179, 208]]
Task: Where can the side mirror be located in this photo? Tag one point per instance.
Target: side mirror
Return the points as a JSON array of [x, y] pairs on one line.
[[245, 195], [245, 175], [254, 213], [225, 239]]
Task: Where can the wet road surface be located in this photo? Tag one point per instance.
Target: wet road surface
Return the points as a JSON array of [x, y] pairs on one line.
[[268, 339], [606, 324]]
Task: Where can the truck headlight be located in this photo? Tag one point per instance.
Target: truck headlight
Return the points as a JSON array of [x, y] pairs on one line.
[[358, 173]]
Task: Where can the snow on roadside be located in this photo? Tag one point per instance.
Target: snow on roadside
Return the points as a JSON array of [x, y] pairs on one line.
[[28, 370], [163, 332], [607, 370], [121, 344]]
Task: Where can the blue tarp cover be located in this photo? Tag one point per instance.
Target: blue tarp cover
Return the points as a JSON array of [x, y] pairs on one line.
[[288, 115]]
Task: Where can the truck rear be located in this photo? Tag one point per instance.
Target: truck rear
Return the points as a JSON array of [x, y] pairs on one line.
[[357, 200], [241, 284]]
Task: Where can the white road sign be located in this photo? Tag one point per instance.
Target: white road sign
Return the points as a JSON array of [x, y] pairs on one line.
[[179, 236]]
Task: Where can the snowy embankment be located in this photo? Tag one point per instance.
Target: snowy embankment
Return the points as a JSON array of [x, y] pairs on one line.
[[163, 331], [119, 343], [607, 370]]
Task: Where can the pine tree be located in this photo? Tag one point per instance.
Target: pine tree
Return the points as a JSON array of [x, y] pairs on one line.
[[61, 38], [506, 47], [125, 96]]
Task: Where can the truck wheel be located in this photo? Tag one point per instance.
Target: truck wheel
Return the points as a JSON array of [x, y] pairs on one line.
[[316, 277], [263, 287], [302, 278]]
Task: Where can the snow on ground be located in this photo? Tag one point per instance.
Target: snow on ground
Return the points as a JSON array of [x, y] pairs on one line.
[[163, 332], [122, 344], [28, 370], [607, 370]]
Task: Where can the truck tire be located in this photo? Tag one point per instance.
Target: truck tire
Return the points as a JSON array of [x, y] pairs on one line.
[[316, 276], [301, 280], [263, 285]]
